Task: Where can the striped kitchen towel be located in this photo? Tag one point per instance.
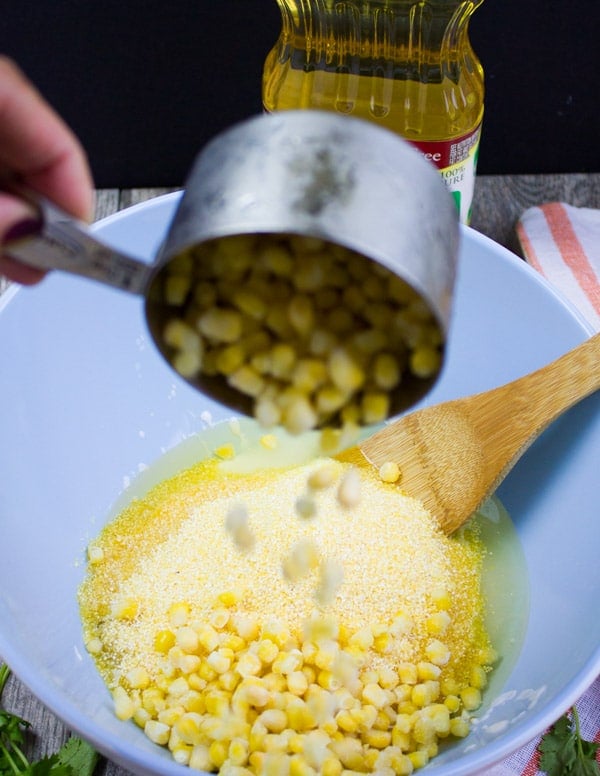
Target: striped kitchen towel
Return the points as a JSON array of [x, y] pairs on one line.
[[563, 243]]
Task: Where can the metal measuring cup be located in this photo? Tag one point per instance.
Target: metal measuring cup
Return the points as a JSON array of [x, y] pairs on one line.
[[307, 173]]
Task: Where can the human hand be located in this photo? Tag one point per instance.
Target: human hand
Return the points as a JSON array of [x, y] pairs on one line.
[[38, 148]]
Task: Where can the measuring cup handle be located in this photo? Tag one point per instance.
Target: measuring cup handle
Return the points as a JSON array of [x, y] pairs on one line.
[[65, 243]]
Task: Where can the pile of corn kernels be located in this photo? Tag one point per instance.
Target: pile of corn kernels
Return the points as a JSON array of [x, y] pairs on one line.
[[296, 622], [312, 334]]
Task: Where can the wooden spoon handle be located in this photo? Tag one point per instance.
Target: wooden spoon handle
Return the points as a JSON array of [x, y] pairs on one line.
[[543, 395], [510, 418]]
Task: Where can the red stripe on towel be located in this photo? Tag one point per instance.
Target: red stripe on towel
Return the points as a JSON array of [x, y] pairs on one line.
[[532, 766], [572, 252]]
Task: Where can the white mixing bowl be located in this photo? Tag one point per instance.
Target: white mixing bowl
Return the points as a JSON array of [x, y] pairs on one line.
[[87, 403]]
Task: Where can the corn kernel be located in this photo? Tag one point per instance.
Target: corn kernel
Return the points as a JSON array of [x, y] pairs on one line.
[[177, 287], [188, 727], [297, 682], [330, 580], [459, 727], [219, 618], [487, 656], [330, 399], [299, 416], [220, 661], [269, 441], [287, 662], [452, 702], [305, 506], [95, 554], [220, 324], [437, 624], [471, 698], [437, 653], [322, 477], [274, 720], [267, 412], [164, 640], [230, 597], [248, 665], [425, 693], [226, 452], [386, 371], [331, 766], [419, 758], [178, 614], [349, 489], [408, 673], [187, 639], [375, 695], [346, 722], [178, 334], [238, 751], [157, 732], [375, 407], [208, 638], [478, 677], [425, 361], [300, 716], [125, 608], [94, 646], [125, 707], [246, 380], [230, 358], [344, 371], [267, 651], [200, 759], [378, 739], [250, 303], [389, 472], [217, 754], [138, 678], [426, 670]]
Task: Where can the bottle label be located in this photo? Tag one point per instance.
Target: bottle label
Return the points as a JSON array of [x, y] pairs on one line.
[[456, 160]]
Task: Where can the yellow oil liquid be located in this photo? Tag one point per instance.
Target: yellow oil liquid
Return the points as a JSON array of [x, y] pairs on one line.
[[405, 64], [417, 110]]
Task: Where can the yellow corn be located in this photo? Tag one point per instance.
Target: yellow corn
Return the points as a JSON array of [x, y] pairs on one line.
[[158, 732], [221, 324], [95, 554], [459, 727], [320, 304], [389, 472], [349, 489], [124, 706], [471, 698]]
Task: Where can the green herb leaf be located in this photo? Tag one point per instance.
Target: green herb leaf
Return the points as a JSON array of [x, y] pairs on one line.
[[565, 753], [79, 756], [75, 758], [45, 767]]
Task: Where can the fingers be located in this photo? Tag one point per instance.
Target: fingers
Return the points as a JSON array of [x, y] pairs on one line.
[[16, 220], [37, 147]]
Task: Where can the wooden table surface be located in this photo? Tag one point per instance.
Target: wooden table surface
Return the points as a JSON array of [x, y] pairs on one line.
[[499, 200]]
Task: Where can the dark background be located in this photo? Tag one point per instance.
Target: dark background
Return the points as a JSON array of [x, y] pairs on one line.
[[146, 84]]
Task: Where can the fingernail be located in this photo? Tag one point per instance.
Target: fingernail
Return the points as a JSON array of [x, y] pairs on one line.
[[25, 228]]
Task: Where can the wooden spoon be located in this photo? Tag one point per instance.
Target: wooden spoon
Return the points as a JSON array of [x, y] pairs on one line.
[[452, 456]]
